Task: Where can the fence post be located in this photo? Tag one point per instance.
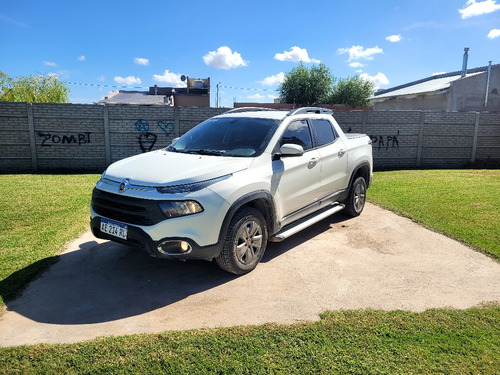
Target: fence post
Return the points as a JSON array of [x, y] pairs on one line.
[[177, 123], [474, 138], [31, 127], [363, 123], [420, 137], [107, 137]]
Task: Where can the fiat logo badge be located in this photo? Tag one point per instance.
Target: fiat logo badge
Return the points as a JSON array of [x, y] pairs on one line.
[[124, 185]]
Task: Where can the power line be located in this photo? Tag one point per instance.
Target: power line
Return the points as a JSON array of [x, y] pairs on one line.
[[247, 88], [147, 87], [103, 85]]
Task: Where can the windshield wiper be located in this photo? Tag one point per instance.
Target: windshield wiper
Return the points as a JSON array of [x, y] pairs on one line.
[[204, 152]]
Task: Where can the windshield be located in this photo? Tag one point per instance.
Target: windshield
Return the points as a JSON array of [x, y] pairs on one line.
[[227, 136]]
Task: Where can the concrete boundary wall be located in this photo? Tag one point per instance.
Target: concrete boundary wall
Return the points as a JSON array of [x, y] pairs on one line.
[[45, 136]]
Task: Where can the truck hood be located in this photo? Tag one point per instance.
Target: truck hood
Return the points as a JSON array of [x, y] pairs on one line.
[[163, 168]]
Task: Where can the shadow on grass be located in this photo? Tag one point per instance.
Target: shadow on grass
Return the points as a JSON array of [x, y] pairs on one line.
[[108, 281], [14, 284]]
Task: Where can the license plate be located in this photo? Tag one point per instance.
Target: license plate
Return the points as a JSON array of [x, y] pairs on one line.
[[114, 229]]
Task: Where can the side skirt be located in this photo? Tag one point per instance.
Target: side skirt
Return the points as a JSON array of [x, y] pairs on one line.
[[309, 220]]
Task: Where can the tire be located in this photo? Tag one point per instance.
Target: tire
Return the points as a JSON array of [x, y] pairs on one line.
[[356, 199], [245, 242]]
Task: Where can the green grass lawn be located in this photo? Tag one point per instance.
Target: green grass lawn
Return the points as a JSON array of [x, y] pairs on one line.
[[463, 204], [354, 342], [40, 213]]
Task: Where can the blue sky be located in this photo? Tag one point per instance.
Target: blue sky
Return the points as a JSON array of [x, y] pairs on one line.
[[247, 46]]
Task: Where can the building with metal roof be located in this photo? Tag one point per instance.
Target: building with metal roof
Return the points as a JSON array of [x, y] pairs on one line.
[[475, 89]]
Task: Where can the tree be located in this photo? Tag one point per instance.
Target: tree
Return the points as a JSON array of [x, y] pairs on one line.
[[352, 91], [33, 89], [305, 87], [316, 86]]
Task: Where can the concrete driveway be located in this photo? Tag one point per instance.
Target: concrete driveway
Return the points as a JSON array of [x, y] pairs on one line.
[[378, 260]]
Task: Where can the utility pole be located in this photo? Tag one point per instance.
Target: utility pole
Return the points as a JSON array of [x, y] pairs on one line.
[[217, 99]]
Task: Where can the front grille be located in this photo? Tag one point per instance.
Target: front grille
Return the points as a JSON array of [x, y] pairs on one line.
[[126, 209]]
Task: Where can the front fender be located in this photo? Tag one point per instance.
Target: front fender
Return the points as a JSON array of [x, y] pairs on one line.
[[261, 200]]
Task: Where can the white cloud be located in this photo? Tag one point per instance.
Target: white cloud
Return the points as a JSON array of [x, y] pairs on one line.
[[359, 52], [295, 54], [273, 80], [256, 97], [101, 78], [473, 8], [394, 38], [356, 64], [128, 81], [224, 58], [378, 79], [170, 78], [141, 61], [49, 63], [81, 58], [494, 33]]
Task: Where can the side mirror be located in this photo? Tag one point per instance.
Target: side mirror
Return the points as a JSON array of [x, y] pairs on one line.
[[290, 149]]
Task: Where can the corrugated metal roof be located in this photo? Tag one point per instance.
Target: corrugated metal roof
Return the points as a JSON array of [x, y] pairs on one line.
[[426, 86]]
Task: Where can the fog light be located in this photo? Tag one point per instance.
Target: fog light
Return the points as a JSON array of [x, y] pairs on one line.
[[184, 246], [174, 247]]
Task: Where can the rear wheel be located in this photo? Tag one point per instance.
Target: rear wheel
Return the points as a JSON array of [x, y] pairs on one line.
[[355, 201], [245, 242]]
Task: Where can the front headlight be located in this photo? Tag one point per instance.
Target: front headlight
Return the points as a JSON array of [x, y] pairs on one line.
[[180, 208]]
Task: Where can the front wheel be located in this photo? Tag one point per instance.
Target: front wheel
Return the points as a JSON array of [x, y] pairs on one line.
[[245, 242], [356, 199]]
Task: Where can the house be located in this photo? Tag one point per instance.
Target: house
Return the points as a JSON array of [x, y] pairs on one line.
[[195, 94], [475, 89]]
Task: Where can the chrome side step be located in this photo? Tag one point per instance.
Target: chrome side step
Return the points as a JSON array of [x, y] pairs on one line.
[[304, 223]]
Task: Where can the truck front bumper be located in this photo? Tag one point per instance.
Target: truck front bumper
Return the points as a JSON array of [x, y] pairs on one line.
[[169, 247]]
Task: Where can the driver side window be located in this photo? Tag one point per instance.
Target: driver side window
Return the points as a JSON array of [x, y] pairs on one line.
[[298, 133]]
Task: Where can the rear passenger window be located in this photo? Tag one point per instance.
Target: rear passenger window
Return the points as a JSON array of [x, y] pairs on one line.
[[323, 132], [298, 133]]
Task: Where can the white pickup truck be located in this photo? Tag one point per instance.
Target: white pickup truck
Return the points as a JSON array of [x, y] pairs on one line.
[[231, 184]]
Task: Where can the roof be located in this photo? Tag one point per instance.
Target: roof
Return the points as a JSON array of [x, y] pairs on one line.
[[134, 97], [158, 95], [430, 85]]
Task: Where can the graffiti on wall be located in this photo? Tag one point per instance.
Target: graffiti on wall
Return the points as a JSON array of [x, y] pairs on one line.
[[166, 127], [49, 139], [147, 138], [384, 142]]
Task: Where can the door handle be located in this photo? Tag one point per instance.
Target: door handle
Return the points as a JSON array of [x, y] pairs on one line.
[[341, 153], [312, 163]]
